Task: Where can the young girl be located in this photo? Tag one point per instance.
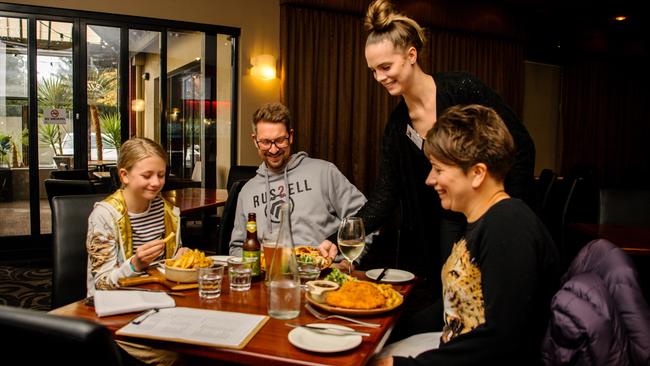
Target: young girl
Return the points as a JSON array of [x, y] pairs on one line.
[[134, 226]]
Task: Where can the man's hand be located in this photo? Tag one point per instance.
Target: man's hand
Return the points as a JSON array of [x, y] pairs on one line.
[[328, 249]]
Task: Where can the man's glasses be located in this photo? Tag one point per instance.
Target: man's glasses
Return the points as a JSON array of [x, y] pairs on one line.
[[280, 143]]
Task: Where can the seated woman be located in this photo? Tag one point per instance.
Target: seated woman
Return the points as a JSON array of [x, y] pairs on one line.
[[501, 275], [126, 230]]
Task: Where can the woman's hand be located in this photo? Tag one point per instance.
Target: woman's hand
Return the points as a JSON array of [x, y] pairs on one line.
[[147, 253], [328, 249], [344, 265]]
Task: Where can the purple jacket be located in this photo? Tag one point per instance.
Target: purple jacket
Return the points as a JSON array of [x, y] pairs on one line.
[[599, 316]]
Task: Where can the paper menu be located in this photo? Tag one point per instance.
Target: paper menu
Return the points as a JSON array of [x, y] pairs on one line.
[[119, 301], [198, 326]]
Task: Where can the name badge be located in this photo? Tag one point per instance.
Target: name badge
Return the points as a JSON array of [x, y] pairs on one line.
[[414, 136]]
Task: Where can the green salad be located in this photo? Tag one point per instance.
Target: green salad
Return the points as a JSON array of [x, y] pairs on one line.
[[339, 277]]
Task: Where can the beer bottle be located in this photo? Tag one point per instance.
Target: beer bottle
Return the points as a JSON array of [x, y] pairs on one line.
[[251, 247]]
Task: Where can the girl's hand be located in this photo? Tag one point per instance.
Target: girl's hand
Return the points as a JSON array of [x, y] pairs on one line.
[[181, 251], [386, 361], [147, 253]]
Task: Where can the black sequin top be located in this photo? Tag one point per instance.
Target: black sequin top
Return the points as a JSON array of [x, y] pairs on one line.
[[426, 230]]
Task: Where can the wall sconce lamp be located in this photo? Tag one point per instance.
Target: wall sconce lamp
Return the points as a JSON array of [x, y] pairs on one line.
[[263, 67], [137, 105]]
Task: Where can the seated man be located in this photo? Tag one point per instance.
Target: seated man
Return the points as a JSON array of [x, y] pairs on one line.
[[319, 195]]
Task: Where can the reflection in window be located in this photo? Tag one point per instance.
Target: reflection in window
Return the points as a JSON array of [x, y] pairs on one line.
[[103, 107], [185, 77], [144, 83]]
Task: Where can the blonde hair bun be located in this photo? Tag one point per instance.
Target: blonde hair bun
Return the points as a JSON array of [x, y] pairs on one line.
[[379, 16]]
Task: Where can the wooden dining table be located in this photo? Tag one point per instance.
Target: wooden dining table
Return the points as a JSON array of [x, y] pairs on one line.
[[270, 345], [191, 200]]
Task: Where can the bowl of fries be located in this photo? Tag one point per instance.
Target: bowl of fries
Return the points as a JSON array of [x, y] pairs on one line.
[[184, 268]]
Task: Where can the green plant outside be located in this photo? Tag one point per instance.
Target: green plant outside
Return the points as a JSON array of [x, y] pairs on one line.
[[111, 130]]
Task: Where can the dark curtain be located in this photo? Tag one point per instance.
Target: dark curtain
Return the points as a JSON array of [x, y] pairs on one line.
[[340, 111], [604, 119]]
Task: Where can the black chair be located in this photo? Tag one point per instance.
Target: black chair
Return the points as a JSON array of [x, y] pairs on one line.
[[240, 172], [228, 217], [624, 206], [543, 188], [66, 187], [70, 258], [72, 174], [115, 178], [38, 338]]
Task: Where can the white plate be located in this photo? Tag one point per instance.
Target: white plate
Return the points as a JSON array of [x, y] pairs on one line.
[[221, 259], [314, 341], [392, 275]]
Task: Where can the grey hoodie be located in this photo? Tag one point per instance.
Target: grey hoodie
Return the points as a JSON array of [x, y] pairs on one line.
[[318, 193]]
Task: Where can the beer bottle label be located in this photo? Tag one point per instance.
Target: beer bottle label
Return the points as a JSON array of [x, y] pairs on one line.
[[255, 254], [251, 227]]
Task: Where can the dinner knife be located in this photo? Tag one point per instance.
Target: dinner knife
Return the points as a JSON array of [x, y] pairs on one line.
[[382, 274], [326, 330]]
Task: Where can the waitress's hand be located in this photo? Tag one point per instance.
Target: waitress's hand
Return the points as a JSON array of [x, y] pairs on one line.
[[147, 253], [344, 265], [328, 249]]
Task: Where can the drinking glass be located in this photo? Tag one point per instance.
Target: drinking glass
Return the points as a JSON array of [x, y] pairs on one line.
[[307, 271], [239, 273], [268, 248], [210, 282], [351, 239]]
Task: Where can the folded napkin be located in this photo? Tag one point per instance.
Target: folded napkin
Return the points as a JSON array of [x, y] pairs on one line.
[[119, 302]]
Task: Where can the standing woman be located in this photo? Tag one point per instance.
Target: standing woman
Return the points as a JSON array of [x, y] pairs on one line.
[[126, 230], [426, 231]]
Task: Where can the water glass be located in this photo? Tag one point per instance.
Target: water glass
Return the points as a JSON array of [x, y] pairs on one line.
[[307, 271], [239, 273], [210, 282]]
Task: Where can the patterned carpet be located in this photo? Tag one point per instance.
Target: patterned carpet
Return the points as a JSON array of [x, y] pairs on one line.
[[26, 285]]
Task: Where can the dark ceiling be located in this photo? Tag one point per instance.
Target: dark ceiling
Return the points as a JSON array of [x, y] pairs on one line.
[[552, 30], [556, 30]]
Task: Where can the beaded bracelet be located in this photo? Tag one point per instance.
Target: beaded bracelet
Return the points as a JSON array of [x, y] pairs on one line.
[[132, 266]]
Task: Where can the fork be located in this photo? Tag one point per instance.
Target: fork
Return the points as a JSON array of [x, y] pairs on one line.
[[320, 316]]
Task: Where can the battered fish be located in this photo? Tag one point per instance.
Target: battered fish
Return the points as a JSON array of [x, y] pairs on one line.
[[356, 295]]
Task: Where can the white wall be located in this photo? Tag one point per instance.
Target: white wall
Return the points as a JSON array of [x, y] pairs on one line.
[[259, 21]]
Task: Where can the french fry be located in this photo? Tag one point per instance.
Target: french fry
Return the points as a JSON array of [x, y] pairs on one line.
[[191, 259], [169, 237]]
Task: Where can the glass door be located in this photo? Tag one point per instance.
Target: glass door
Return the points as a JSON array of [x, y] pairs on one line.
[[14, 127]]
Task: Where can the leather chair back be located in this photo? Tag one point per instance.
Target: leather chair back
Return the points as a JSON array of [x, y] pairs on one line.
[[67, 187], [38, 338], [228, 217], [240, 172], [70, 257], [624, 206], [72, 174]]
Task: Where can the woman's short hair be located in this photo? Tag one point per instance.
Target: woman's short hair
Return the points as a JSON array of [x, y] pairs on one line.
[[272, 112], [467, 135], [136, 149], [384, 23]]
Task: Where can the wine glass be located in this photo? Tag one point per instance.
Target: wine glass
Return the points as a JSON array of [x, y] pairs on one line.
[[351, 239]]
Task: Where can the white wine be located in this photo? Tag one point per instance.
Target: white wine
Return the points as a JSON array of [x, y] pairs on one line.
[[351, 249]]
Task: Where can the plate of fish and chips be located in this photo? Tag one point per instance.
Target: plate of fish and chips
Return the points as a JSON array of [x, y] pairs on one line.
[[359, 298]]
